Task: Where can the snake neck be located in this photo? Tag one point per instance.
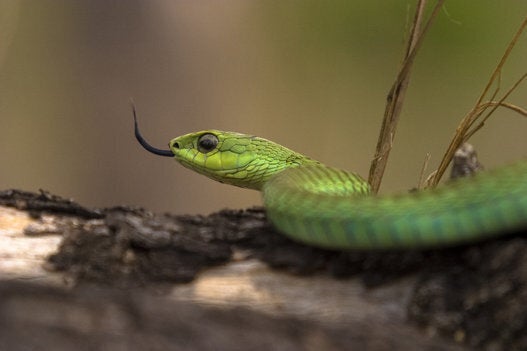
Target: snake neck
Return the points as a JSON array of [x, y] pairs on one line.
[[318, 179]]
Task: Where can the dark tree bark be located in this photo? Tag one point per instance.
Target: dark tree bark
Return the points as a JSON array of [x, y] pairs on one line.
[[139, 280]]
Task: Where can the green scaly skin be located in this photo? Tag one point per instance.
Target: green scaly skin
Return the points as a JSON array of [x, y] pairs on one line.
[[327, 207]]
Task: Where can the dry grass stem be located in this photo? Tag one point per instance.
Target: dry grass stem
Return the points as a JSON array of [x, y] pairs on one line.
[[422, 180], [468, 127], [397, 93]]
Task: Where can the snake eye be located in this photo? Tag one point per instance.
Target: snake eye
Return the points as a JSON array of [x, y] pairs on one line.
[[207, 143]]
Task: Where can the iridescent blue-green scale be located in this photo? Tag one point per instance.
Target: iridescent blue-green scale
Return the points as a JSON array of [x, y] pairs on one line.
[[330, 208]]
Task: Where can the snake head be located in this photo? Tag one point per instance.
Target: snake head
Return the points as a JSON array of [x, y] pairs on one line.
[[228, 157], [234, 158]]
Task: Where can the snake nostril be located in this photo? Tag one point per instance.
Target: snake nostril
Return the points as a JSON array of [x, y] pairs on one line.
[[175, 145]]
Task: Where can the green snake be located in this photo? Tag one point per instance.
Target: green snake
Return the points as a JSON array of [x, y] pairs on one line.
[[330, 208]]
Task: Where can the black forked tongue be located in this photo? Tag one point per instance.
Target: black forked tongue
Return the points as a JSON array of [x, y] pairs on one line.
[[145, 144]]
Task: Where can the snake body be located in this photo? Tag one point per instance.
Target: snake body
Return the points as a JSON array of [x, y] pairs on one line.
[[327, 207]]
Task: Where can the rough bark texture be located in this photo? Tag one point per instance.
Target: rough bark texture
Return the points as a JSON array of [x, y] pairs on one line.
[[43, 318], [141, 280]]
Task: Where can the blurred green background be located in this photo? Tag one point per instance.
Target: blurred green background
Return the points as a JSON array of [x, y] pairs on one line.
[[311, 75]]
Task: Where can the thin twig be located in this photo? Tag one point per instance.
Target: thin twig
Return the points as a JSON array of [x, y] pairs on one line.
[[495, 105], [510, 106], [422, 179], [397, 93], [464, 131]]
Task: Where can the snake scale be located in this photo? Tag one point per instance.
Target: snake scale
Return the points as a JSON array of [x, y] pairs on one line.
[[330, 208]]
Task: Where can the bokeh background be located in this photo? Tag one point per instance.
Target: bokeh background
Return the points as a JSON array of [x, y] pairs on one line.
[[311, 75]]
